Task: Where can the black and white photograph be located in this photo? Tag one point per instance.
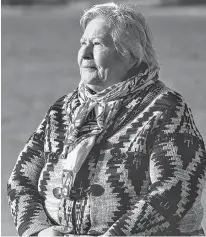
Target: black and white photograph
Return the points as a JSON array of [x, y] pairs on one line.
[[103, 119]]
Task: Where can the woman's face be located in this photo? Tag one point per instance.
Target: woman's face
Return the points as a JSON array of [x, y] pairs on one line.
[[100, 66]]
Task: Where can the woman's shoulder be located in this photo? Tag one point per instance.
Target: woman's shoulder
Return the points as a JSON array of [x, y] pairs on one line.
[[61, 103], [174, 114], [168, 98]]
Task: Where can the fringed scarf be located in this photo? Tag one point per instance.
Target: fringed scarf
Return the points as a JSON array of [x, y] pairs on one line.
[[105, 104]]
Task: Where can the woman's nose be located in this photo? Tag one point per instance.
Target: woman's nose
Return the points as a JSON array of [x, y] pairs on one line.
[[87, 52]]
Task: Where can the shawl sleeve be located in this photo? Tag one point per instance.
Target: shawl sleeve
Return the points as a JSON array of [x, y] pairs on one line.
[[25, 202], [177, 173]]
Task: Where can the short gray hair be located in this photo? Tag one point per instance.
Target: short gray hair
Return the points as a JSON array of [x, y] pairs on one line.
[[129, 30]]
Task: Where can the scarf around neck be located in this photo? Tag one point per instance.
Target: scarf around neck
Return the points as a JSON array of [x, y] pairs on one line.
[[105, 104]]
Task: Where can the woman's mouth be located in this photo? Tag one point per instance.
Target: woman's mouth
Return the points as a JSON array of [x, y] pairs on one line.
[[90, 68]]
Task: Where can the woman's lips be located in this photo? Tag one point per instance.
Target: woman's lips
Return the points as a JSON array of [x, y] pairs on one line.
[[92, 68]]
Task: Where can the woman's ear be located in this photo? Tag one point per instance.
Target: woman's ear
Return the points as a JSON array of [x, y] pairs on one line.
[[130, 61], [135, 63]]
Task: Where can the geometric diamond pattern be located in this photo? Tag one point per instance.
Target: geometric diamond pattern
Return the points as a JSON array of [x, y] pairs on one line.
[[149, 165]]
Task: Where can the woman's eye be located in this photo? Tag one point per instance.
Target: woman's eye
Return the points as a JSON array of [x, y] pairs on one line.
[[82, 43], [96, 43]]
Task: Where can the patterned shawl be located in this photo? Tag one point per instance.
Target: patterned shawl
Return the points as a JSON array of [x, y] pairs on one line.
[[105, 104]]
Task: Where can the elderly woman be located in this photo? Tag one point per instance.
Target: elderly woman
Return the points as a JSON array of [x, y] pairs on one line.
[[121, 154]]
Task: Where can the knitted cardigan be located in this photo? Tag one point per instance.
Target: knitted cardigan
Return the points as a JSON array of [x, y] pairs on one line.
[[144, 175]]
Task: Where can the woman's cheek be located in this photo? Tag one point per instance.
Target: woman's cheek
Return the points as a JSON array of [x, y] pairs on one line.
[[102, 60], [79, 57], [101, 73]]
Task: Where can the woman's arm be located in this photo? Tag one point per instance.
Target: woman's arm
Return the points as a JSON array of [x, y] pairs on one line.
[[25, 202], [177, 172]]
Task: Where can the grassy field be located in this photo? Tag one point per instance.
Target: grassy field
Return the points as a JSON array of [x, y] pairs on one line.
[[39, 51]]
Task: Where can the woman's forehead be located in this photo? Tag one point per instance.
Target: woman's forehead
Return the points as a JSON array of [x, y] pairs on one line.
[[97, 28]]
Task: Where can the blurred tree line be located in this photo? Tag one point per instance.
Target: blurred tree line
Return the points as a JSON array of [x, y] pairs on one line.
[[32, 2], [182, 2]]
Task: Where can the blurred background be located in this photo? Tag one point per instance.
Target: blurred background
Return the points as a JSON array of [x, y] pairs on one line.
[[40, 41]]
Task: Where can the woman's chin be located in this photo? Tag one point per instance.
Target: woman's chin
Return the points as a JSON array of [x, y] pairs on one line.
[[90, 80]]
